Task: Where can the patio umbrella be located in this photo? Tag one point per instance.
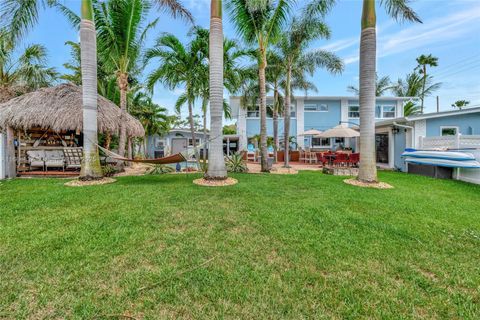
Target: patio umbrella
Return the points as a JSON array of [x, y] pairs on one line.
[[311, 132], [339, 131]]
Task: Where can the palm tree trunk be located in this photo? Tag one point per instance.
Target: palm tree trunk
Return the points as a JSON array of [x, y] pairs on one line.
[[423, 85], [88, 46], [145, 143], [129, 148], [368, 43], [275, 121], [286, 117], [11, 171], [263, 110], [204, 155], [192, 131], [108, 140], [216, 160], [122, 81]]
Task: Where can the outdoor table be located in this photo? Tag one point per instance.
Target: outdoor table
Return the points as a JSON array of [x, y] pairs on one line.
[[330, 157]]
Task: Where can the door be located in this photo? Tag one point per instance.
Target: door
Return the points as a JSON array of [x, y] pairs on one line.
[[179, 145], [381, 145]]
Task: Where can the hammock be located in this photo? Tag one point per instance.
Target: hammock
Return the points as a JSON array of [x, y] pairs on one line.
[[175, 158]]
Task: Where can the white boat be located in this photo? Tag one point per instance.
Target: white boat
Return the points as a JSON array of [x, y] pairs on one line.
[[442, 155], [473, 164]]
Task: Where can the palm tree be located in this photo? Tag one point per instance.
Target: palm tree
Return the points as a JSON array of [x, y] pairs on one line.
[[216, 161], [88, 48], [302, 31], [382, 85], [412, 86], [260, 23], [399, 10], [121, 35], [274, 79], [180, 65], [460, 104], [424, 61], [24, 72]]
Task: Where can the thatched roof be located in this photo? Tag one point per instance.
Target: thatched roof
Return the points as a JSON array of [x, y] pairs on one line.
[[60, 108]]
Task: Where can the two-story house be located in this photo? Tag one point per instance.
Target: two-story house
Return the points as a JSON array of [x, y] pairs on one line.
[[313, 112]]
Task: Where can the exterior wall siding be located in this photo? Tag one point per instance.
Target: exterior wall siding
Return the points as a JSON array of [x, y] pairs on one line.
[[253, 127], [322, 120], [468, 124]]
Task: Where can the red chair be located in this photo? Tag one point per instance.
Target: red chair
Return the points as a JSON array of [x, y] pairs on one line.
[[341, 159], [321, 159], [354, 159]]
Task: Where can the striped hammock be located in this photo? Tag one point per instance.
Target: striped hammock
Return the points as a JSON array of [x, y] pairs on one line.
[[175, 158]]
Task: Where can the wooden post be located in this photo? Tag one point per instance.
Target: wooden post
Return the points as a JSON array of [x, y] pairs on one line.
[[11, 170]]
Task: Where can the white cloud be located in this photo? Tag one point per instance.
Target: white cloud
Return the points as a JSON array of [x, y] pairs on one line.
[[434, 31], [340, 44]]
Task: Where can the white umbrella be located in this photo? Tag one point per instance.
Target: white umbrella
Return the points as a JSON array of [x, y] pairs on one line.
[[339, 131], [311, 132]]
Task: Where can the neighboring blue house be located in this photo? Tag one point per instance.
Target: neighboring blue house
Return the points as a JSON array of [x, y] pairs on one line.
[[175, 141], [456, 129], [313, 112]]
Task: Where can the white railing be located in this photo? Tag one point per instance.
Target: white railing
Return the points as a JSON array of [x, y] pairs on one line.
[[450, 142]]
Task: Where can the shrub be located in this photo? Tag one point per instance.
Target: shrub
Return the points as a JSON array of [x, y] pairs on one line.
[[161, 169], [235, 163], [109, 170]]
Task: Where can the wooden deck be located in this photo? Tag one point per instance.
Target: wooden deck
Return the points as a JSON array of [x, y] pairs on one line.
[[49, 174]]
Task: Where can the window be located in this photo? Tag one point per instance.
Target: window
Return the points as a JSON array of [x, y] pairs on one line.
[[388, 112], [253, 112], [190, 141], [448, 131], [321, 142], [384, 112], [339, 140], [353, 111], [159, 144], [292, 111], [316, 107]]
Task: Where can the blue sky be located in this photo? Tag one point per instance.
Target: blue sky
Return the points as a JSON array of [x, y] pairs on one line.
[[450, 31]]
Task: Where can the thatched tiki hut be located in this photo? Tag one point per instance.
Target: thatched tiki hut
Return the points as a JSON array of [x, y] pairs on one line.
[[51, 119]]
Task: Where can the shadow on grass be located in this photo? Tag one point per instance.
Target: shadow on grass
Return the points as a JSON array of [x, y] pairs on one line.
[[163, 179]]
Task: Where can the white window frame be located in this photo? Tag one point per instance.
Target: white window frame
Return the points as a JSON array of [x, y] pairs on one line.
[[317, 106], [158, 142], [382, 111], [320, 146], [190, 141], [457, 131], [355, 106]]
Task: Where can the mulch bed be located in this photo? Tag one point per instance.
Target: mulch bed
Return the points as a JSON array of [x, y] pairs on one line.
[[376, 185], [215, 183], [79, 183]]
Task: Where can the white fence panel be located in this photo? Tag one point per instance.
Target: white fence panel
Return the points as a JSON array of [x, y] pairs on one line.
[[450, 142]]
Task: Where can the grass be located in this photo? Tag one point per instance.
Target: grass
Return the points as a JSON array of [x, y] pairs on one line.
[[299, 246]]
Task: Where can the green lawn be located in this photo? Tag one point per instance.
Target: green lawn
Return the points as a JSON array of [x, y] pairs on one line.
[[273, 246]]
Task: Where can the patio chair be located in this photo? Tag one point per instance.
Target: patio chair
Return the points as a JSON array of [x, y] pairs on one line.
[[73, 158], [354, 159], [54, 159], [36, 159], [321, 159], [251, 153], [301, 156], [341, 159]]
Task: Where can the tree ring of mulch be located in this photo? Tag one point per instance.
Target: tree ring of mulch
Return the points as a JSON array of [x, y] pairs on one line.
[[375, 185], [215, 183], [80, 183]]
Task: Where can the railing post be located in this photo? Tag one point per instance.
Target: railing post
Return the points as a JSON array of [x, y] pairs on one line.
[[457, 140]]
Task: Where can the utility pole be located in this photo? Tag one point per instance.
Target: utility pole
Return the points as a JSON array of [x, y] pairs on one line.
[[438, 104]]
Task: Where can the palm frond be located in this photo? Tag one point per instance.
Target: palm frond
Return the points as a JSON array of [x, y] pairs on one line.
[[400, 10], [175, 8]]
